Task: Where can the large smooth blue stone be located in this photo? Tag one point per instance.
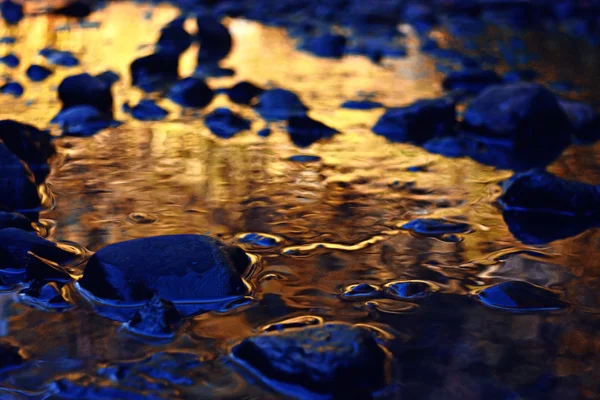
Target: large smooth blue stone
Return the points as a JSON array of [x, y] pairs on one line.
[[226, 124], [540, 191], [174, 38], [191, 92], [30, 257], [526, 114], [82, 121], [14, 89], [244, 92], [177, 268], [435, 226], [472, 80], [585, 120], [418, 122], [517, 296], [11, 11], [9, 356], [280, 104], [304, 130], [15, 220], [327, 46], [10, 60], [146, 110], [59, 57], [155, 319], [30, 144], [215, 39], [38, 73], [85, 89], [154, 72], [333, 359], [18, 188]]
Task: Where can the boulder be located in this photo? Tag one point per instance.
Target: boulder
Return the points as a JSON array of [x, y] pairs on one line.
[[85, 89], [225, 123], [471, 80], [279, 105], [38, 73], [304, 130], [146, 110], [215, 40], [244, 92], [585, 120], [191, 92], [17, 185], [154, 72], [83, 121]]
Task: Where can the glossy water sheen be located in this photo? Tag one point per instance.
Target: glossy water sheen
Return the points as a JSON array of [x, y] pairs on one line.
[[322, 224]]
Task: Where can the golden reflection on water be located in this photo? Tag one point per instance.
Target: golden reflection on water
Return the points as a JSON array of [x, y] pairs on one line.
[[337, 218]]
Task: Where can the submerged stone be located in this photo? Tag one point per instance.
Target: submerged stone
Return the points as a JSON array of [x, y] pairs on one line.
[[215, 40], [46, 296], [191, 92], [327, 45], [14, 220], [146, 110], [30, 257], [304, 158], [85, 89], [540, 191], [471, 80], [156, 319], [265, 132], [435, 226], [259, 240], [244, 92], [59, 57], [14, 89], [225, 123], [155, 71], [9, 356], [18, 188], [304, 130], [361, 104], [333, 359], [418, 122], [174, 267], [280, 104], [585, 120], [12, 12], [520, 75], [10, 60], [517, 296], [82, 121], [174, 38], [360, 292], [409, 290], [38, 73]]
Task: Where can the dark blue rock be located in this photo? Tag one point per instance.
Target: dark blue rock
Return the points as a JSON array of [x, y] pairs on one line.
[[14, 220], [175, 267], [226, 124], [540, 191], [156, 319], [7, 40], [520, 75], [585, 120], [244, 92], [449, 146], [10, 60], [258, 240], [191, 93], [409, 290], [11, 11], [45, 296], [435, 226], [146, 110], [109, 77], [174, 38], [30, 144], [26, 256], [9, 356], [472, 80], [215, 40], [526, 115], [377, 48], [333, 359], [75, 9], [418, 122], [65, 388], [327, 45], [517, 296], [304, 158], [280, 104], [154, 72], [59, 57], [266, 132], [361, 292], [85, 89], [82, 121], [19, 191], [12, 88], [304, 130], [38, 73], [361, 104]]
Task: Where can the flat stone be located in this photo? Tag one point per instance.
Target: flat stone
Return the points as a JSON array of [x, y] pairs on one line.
[[361, 104], [517, 296], [435, 226], [59, 57], [174, 267], [225, 123], [146, 110], [304, 130], [332, 359], [279, 105]]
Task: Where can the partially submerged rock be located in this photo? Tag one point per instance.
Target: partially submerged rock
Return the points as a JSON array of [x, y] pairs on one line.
[[38, 73], [154, 72], [225, 123], [59, 57], [517, 296], [45, 296], [85, 89], [471, 80], [180, 268], [585, 120], [146, 110], [18, 188], [82, 121], [11, 11], [361, 104], [155, 320], [244, 92], [410, 290], [215, 40], [435, 226], [418, 122], [327, 45], [191, 93], [10, 60], [14, 89], [304, 130], [333, 359], [9, 356], [174, 39], [279, 105], [15, 220]]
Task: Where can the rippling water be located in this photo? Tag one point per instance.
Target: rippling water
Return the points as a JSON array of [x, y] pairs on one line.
[[323, 225]]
